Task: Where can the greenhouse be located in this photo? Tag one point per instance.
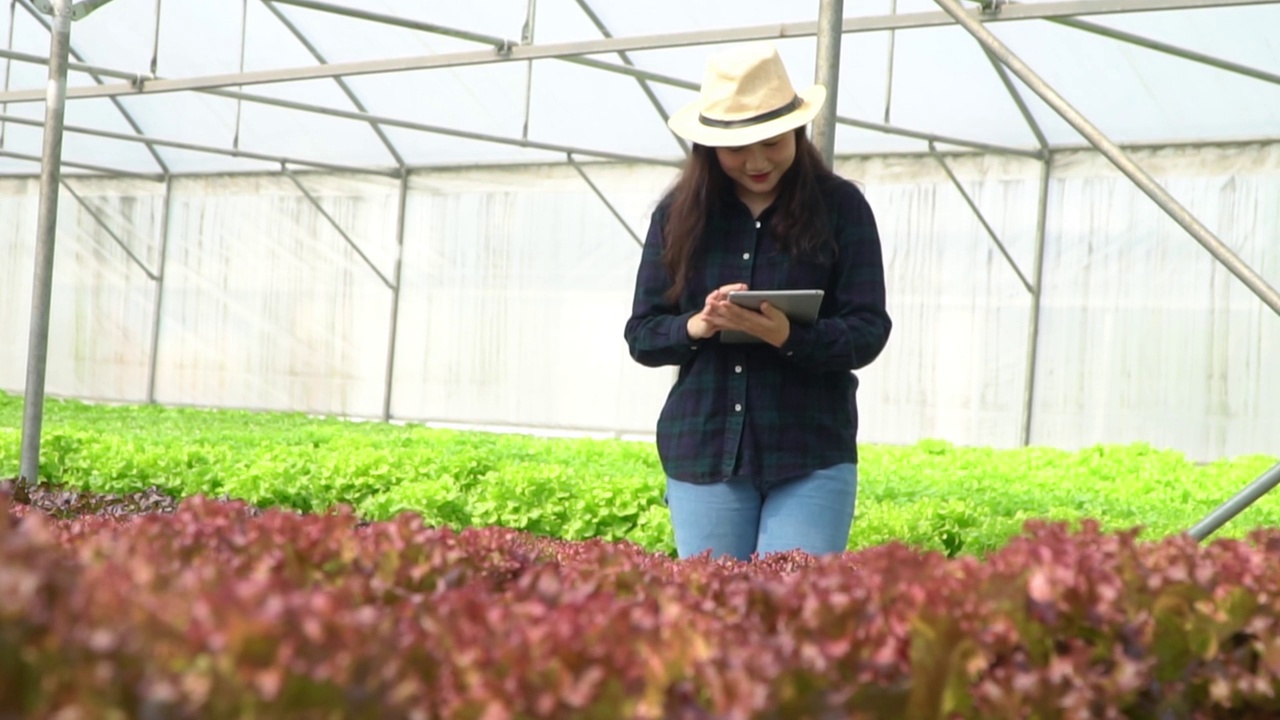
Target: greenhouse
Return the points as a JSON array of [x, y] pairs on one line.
[[420, 214], [430, 216]]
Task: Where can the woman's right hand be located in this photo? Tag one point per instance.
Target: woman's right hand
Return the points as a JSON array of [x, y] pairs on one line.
[[700, 325]]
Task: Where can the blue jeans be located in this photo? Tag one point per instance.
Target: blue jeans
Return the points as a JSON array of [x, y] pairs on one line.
[[812, 513]]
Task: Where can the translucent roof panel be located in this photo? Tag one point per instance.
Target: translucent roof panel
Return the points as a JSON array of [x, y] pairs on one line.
[[433, 84]]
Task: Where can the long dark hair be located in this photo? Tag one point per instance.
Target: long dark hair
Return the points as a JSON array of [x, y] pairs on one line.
[[800, 223]]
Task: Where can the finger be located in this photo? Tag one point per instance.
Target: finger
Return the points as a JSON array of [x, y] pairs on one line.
[[734, 316]]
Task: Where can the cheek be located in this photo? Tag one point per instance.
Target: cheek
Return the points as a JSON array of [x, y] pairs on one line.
[[783, 160]]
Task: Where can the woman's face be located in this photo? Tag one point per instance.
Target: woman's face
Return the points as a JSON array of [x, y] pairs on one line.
[[756, 169]]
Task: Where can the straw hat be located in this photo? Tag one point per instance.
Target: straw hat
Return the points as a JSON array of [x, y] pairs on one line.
[[746, 97]]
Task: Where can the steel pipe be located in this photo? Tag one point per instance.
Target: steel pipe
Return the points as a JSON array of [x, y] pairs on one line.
[[1233, 507], [124, 113], [333, 222], [982, 219], [342, 83], [46, 230], [1029, 11], [600, 194], [1037, 297], [1170, 49], [827, 72], [397, 276], [153, 359], [1117, 156]]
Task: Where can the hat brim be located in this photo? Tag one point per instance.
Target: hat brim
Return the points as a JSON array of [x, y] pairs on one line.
[[684, 122]]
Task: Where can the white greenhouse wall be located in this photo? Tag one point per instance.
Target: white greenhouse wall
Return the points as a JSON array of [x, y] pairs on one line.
[[517, 282]]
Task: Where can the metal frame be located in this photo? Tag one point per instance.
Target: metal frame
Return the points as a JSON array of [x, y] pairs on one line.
[[828, 29], [315, 203], [644, 83], [397, 283], [1227, 511], [194, 147], [102, 169], [991, 44], [151, 275], [342, 83], [648, 76], [42, 282], [1168, 49], [892, 54], [8, 66], [1045, 11], [124, 113], [982, 219], [153, 358], [1116, 155], [827, 73], [600, 194], [1037, 295], [504, 50]]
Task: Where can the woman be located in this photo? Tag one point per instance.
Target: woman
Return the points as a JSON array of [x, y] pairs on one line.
[[758, 439]]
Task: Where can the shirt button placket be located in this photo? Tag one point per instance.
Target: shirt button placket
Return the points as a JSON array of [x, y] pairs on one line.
[[747, 255], [737, 418], [738, 381]]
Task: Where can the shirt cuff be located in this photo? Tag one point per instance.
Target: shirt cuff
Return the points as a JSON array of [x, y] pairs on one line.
[[680, 332], [797, 340]]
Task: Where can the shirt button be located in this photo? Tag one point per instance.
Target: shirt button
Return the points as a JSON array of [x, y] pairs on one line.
[[757, 224], [737, 368], [737, 408], [746, 256]]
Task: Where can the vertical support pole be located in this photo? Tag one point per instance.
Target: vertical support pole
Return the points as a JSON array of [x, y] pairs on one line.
[[526, 38], [8, 65], [395, 297], [1037, 293], [42, 284], [830, 34], [155, 44], [888, 84], [155, 321], [244, 37]]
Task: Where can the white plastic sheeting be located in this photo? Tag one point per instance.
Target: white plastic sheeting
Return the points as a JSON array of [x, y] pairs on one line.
[[266, 305], [516, 283], [103, 301], [1147, 336], [934, 80]]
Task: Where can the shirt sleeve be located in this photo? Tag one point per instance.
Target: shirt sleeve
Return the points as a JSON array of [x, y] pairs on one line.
[[657, 333], [859, 329]]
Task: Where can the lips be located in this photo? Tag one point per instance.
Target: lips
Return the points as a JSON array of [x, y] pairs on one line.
[[759, 178]]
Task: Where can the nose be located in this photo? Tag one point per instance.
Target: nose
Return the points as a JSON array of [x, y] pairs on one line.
[[756, 161]]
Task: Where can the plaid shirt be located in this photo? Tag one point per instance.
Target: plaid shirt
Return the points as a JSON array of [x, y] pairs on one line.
[[753, 410]]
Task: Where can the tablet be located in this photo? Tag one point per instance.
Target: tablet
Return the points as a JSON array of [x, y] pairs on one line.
[[800, 306]]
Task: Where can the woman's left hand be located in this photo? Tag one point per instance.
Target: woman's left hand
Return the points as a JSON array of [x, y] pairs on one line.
[[769, 324]]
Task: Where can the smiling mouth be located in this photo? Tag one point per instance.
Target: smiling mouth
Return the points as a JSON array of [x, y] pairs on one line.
[[760, 177]]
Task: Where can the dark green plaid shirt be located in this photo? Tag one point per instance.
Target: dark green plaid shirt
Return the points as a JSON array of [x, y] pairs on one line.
[[753, 410]]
